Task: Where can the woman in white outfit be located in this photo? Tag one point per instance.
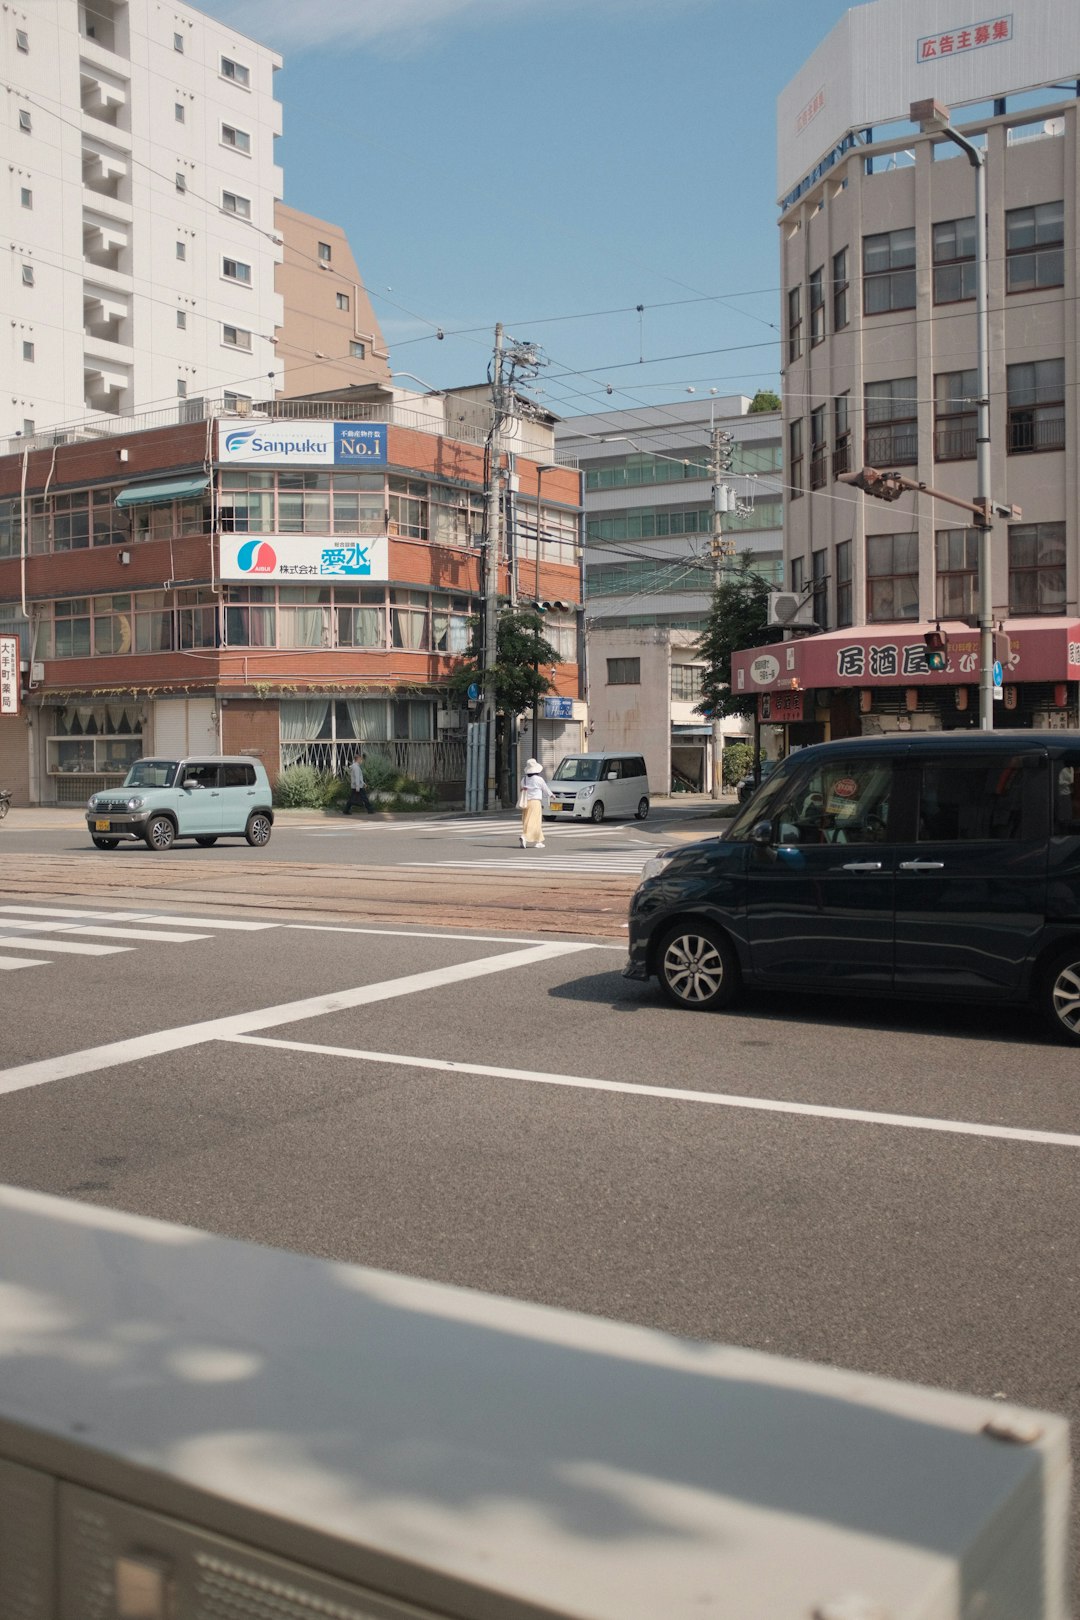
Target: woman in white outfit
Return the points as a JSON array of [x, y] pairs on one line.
[[535, 796]]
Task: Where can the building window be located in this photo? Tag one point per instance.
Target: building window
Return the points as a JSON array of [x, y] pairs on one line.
[[236, 337], [819, 458], [840, 289], [955, 415], [238, 139], [235, 71], [624, 671], [357, 350], [817, 307], [794, 323], [892, 569], [820, 576], [181, 388], [795, 457], [22, 41], [892, 437], [236, 270], [798, 574], [28, 426], [28, 275], [181, 181], [408, 508], [181, 319], [686, 682], [236, 402], [844, 600], [178, 43], [178, 112], [233, 203], [26, 123], [889, 271], [954, 260], [342, 300], [181, 250], [28, 351], [957, 573], [1036, 395], [1035, 247], [26, 197], [325, 254], [841, 461], [1036, 568]]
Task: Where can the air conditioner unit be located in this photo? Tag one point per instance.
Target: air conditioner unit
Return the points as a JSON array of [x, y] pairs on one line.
[[37, 673], [242, 407], [449, 719], [788, 610]]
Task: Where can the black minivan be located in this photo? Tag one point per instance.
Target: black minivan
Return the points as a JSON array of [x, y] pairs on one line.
[[943, 864]]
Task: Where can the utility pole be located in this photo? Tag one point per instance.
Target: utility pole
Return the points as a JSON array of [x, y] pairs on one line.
[[493, 536], [721, 549]]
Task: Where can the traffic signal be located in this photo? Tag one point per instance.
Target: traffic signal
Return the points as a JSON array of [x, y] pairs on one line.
[[1002, 648], [937, 651], [886, 486]]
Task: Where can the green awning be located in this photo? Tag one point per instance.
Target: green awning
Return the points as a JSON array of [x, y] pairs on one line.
[[176, 489]]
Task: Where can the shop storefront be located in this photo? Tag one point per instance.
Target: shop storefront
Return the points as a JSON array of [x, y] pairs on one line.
[[847, 683]]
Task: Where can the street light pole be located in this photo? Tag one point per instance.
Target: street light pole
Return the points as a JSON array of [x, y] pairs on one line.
[[933, 118], [541, 468]]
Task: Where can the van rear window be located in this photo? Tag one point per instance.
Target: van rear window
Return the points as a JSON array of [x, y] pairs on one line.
[[238, 776]]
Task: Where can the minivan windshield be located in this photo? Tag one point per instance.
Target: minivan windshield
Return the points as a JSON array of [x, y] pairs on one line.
[[146, 773], [759, 806], [578, 770]]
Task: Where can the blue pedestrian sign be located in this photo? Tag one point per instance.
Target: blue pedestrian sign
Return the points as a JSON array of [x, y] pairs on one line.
[[474, 692], [998, 674]]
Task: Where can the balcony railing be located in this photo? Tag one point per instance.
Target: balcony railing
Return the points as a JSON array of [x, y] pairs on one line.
[[892, 447], [955, 443], [819, 469], [841, 461], [1030, 431]]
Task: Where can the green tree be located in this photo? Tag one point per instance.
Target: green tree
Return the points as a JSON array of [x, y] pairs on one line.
[[521, 653], [764, 400], [737, 619]]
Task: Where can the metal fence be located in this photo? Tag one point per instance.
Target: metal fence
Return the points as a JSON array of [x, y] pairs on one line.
[[430, 763]]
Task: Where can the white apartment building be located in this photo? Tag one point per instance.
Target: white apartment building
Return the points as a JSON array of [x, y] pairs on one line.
[[139, 186], [649, 572], [877, 253]]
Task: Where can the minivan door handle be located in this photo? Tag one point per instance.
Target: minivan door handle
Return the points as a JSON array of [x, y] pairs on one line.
[[921, 866], [862, 866]]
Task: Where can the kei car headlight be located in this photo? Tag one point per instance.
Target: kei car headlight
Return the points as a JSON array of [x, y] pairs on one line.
[[587, 793], [136, 803], [655, 865], [91, 801]]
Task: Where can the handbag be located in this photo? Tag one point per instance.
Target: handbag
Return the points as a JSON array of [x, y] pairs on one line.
[[523, 799]]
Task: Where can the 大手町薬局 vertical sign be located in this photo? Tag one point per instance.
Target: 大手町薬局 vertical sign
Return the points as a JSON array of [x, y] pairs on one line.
[[9, 675], [956, 41]]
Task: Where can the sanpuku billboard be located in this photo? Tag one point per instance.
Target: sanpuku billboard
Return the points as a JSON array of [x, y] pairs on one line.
[[883, 56], [305, 559], [302, 444]]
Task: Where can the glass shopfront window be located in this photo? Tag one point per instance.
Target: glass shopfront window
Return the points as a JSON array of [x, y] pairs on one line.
[[94, 739]]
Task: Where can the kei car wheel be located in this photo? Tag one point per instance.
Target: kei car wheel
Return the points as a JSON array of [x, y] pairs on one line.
[[597, 812], [257, 831], [207, 843], [697, 967], [105, 843], [642, 810], [1060, 997], [160, 833]]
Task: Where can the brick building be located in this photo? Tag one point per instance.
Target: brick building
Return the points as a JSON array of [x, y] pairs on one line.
[[285, 583]]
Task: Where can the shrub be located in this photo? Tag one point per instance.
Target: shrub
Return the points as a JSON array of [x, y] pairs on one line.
[[301, 787], [738, 761], [380, 776]]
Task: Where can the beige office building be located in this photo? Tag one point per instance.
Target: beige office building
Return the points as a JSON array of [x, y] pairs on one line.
[[877, 235], [329, 337]]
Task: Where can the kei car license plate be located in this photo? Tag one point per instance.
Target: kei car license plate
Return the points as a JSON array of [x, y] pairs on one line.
[[101, 826], [556, 804]]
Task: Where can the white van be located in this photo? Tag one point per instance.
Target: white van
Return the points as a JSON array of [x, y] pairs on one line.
[[592, 786]]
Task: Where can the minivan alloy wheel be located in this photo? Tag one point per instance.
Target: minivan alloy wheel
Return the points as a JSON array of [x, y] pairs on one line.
[[160, 833], [257, 831], [697, 967], [1062, 994]]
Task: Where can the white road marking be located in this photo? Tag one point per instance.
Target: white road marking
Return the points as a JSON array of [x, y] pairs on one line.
[[535, 862], [138, 916], [717, 1099], [20, 961], [101, 930], [67, 947], [418, 933], [140, 1047]]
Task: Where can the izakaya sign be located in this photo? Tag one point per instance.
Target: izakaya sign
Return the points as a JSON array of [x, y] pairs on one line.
[[302, 444], [305, 559], [9, 674]]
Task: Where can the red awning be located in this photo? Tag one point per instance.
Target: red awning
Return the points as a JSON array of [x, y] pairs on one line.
[[895, 655]]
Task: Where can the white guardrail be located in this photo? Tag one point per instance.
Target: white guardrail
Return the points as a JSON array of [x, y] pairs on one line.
[[198, 1429]]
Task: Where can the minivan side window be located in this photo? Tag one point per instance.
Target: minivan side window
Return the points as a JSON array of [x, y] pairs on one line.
[[613, 770], [971, 801], [200, 776], [238, 775], [844, 802], [1067, 796], [635, 766]]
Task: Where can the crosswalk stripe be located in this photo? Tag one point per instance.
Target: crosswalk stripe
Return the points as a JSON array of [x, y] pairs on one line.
[[136, 917], [536, 866], [68, 947], [21, 961], [99, 931]]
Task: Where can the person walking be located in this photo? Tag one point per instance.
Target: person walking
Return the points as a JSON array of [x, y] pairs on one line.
[[357, 790], [534, 798]]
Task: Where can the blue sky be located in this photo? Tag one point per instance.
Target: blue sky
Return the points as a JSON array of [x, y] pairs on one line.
[[550, 164]]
